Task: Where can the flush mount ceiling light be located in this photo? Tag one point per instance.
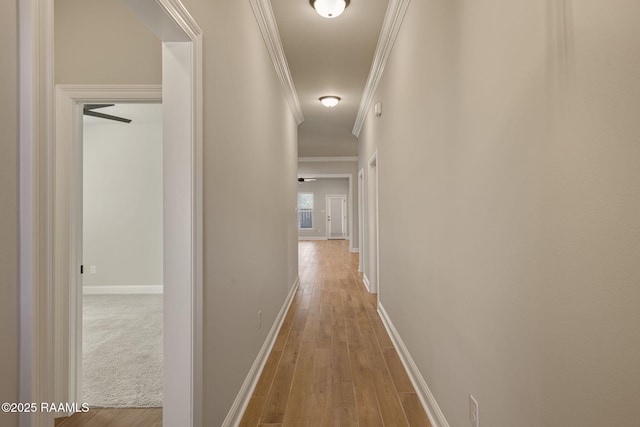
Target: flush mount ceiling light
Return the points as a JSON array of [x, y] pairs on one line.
[[329, 101], [329, 8]]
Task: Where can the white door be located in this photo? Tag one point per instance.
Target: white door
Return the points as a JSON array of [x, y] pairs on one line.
[[336, 216]]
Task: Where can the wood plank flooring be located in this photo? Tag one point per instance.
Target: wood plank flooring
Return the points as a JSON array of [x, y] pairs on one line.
[[114, 417], [333, 362]]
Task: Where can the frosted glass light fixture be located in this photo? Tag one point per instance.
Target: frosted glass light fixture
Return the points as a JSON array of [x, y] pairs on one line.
[[329, 101], [329, 8]]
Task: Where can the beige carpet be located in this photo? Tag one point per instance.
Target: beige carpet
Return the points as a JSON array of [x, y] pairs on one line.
[[122, 351]]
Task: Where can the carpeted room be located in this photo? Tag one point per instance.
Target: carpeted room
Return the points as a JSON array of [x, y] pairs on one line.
[[122, 254]]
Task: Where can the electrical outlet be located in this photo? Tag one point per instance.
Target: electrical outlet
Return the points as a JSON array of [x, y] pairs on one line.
[[93, 269], [473, 411], [259, 319]]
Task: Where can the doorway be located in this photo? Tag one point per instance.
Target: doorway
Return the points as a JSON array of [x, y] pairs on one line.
[[361, 221], [50, 264], [336, 206], [122, 235], [372, 225]]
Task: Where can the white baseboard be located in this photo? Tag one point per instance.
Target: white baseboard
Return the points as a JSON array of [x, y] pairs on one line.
[[312, 238], [244, 395], [122, 289], [365, 280], [436, 417]]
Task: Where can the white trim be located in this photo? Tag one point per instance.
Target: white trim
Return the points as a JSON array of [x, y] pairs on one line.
[[365, 281], [251, 381], [361, 212], [328, 159], [435, 414], [312, 238], [373, 162], [36, 213], [390, 27], [67, 204], [269, 30], [354, 250], [123, 290]]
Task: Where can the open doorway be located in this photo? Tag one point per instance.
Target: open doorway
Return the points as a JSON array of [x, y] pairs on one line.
[[324, 208], [361, 211], [49, 194], [372, 225], [122, 253]]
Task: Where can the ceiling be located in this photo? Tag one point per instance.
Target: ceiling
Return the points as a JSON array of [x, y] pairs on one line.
[[329, 57]]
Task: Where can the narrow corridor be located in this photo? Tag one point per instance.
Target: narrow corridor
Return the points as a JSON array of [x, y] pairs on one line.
[[333, 362]]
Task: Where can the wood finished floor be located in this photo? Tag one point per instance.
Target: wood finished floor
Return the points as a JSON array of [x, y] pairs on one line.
[[114, 417], [333, 362]]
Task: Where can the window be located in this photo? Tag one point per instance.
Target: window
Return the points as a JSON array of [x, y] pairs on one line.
[[305, 211]]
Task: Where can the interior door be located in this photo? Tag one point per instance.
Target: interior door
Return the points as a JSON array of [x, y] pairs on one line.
[[336, 217]]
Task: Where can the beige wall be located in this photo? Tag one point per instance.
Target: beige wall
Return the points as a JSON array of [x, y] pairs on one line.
[[250, 165], [513, 132], [324, 141], [102, 41], [9, 208], [122, 201]]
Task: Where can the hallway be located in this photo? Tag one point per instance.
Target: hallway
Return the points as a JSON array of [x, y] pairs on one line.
[[333, 362]]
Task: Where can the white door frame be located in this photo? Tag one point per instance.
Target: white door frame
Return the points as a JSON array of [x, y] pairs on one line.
[[67, 255], [42, 204], [343, 207], [373, 221], [361, 220], [349, 197]]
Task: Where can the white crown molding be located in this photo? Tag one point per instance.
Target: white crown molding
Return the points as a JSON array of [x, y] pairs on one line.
[[328, 159], [269, 30], [181, 16], [116, 93], [390, 27]]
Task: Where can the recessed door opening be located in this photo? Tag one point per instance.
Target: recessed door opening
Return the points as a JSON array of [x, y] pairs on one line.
[[122, 255], [324, 208], [361, 210], [372, 225]]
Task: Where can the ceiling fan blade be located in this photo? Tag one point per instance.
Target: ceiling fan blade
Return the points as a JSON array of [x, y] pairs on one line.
[[94, 106], [106, 116]]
